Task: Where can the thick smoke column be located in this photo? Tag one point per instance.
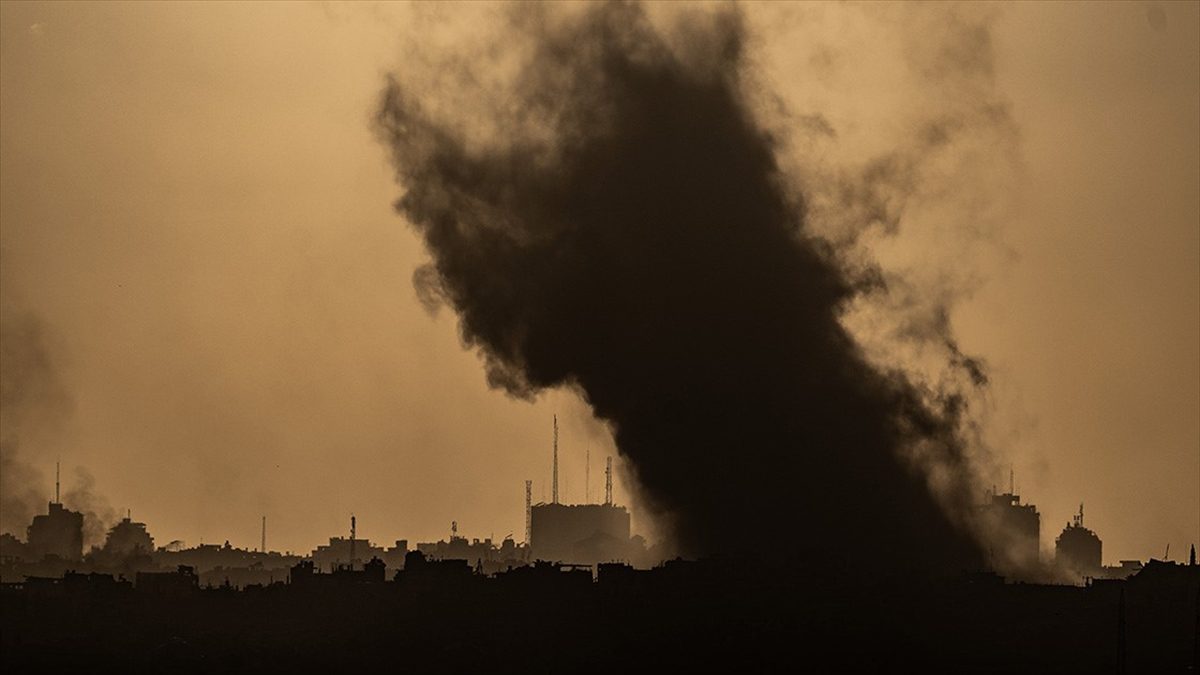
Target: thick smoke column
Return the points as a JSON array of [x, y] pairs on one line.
[[620, 226]]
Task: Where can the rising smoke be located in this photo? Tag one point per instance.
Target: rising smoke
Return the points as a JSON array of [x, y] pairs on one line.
[[35, 404], [607, 211], [98, 514]]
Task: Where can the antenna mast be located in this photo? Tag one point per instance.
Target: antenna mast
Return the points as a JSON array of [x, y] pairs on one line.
[[263, 547], [57, 468], [352, 527], [608, 481], [1011, 489], [554, 481], [528, 511], [587, 477]]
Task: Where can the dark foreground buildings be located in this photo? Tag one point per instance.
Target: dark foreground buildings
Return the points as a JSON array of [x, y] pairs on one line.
[[568, 601], [441, 616]]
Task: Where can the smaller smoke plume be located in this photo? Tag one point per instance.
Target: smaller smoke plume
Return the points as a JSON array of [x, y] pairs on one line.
[[33, 405], [19, 494], [98, 513]]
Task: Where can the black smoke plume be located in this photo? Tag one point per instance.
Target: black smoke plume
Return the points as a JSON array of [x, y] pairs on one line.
[[619, 224]]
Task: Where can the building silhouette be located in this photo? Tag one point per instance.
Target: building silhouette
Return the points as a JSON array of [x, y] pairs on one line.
[[182, 581], [58, 533], [1078, 549], [128, 537], [1018, 527], [345, 551], [579, 533]]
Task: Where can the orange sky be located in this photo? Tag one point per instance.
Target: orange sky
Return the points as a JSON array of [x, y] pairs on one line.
[[191, 198]]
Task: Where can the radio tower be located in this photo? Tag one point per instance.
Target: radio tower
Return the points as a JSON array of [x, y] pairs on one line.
[[554, 480], [263, 547], [352, 524], [587, 477], [528, 511], [608, 481]]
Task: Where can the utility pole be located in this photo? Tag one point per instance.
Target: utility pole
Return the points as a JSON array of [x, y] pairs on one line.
[[554, 480], [528, 511]]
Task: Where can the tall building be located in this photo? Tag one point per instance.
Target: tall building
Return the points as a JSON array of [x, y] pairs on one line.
[[58, 533], [584, 534], [580, 533], [1019, 527], [128, 537], [1078, 549]]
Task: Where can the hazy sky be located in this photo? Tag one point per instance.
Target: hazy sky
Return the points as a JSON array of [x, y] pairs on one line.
[[192, 201]]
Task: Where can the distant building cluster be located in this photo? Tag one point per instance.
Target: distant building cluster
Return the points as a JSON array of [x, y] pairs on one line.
[[579, 534], [1077, 550], [587, 535], [574, 534]]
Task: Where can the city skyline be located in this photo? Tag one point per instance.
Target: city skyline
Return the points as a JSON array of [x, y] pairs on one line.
[[1047, 536]]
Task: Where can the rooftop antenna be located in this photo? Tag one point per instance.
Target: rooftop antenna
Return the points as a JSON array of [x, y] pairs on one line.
[[587, 477], [554, 480], [57, 467], [353, 523], [528, 511], [608, 481], [128, 514], [1011, 489], [263, 546], [1167, 553]]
